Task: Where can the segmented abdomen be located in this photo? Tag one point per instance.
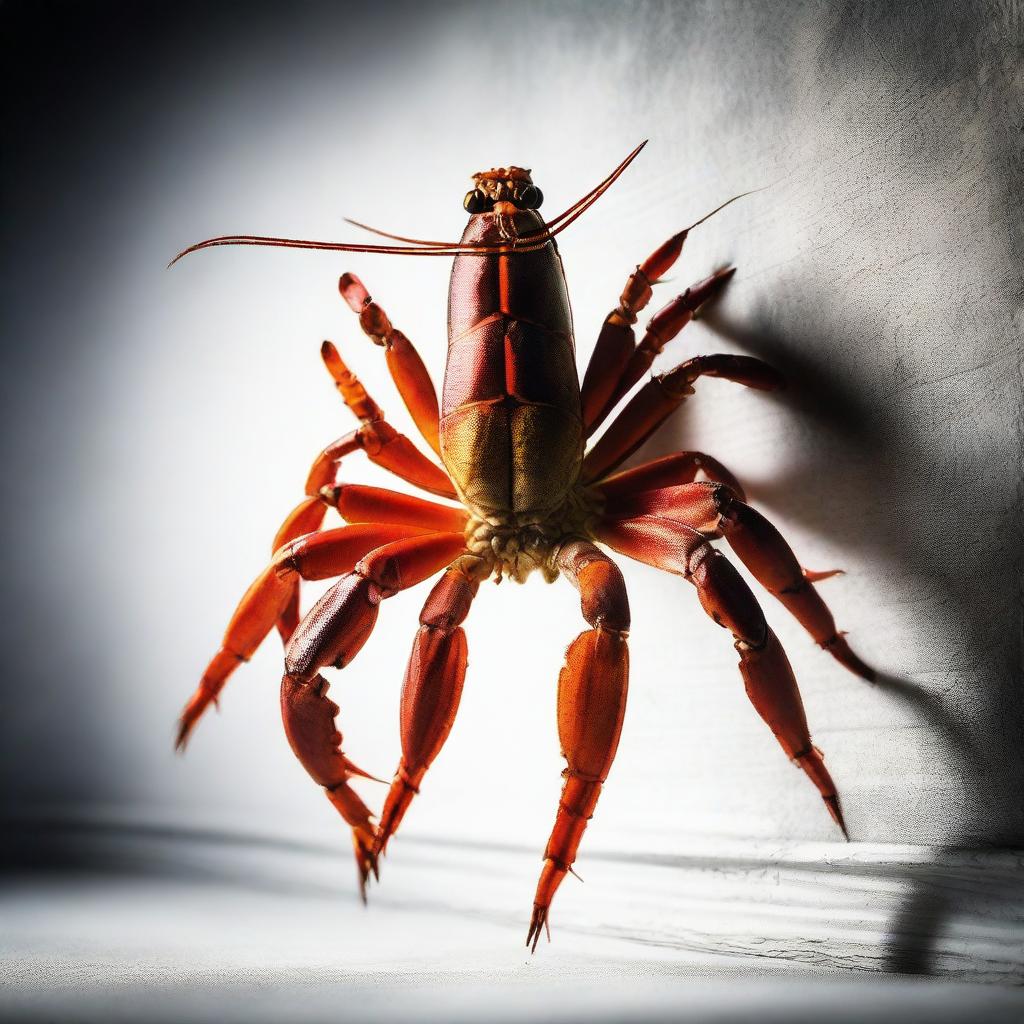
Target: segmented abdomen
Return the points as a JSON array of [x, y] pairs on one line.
[[511, 430]]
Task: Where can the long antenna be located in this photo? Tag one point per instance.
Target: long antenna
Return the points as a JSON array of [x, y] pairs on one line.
[[528, 243]]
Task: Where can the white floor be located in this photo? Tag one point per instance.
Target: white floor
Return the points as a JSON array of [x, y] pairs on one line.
[[117, 948]]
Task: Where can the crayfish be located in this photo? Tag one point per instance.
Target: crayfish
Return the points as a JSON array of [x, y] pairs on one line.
[[524, 494]]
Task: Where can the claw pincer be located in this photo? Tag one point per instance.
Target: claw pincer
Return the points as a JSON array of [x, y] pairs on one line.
[[309, 715], [333, 633]]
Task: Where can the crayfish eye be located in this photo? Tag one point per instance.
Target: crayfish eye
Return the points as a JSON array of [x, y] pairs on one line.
[[477, 202], [528, 197]]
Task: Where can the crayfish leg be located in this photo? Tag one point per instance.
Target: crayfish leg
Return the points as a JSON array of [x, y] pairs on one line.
[[725, 596], [592, 690], [333, 633], [430, 693], [617, 361], [309, 715], [764, 551], [407, 369], [271, 598]]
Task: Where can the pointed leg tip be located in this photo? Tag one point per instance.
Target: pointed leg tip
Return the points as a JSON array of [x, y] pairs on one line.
[[841, 822], [192, 712], [380, 845], [832, 804], [710, 288], [182, 738], [841, 651], [365, 868], [538, 924]]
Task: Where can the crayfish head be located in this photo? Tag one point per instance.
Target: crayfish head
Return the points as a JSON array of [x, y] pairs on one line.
[[503, 190]]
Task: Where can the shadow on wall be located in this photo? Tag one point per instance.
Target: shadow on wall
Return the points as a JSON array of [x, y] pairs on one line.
[[928, 517], [916, 464]]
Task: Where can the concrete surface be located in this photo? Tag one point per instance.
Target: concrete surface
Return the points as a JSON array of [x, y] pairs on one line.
[[189, 928]]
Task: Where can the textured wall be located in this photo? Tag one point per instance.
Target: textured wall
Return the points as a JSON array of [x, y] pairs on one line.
[[157, 424]]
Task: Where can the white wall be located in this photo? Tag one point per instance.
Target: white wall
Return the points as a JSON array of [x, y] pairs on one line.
[[166, 419]]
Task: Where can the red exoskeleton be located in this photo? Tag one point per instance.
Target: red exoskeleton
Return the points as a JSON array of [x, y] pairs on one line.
[[524, 495]]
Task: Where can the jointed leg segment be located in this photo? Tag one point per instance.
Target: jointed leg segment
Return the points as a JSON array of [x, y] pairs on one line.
[[406, 366], [767, 675], [357, 503], [669, 471], [660, 397], [764, 551], [309, 723], [617, 362], [382, 444], [591, 705], [430, 693], [340, 622], [333, 633], [723, 594], [715, 510], [312, 557]]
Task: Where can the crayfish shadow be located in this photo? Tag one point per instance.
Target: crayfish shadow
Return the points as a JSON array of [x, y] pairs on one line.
[[914, 935], [927, 907], [848, 428], [870, 475]]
